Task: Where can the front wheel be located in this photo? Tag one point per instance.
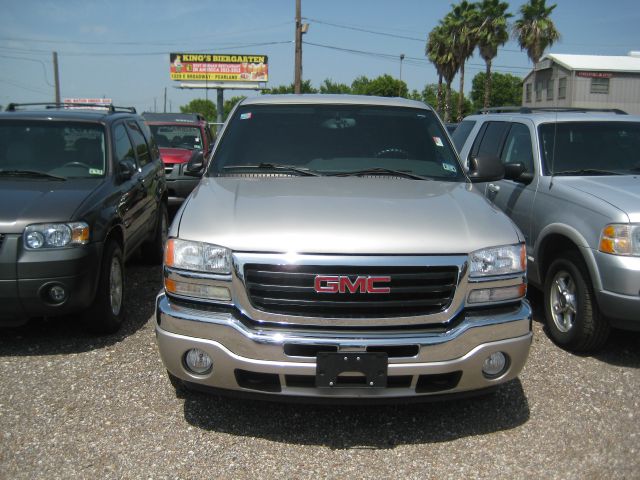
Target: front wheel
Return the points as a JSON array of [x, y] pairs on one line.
[[106, 314], [572, 316]]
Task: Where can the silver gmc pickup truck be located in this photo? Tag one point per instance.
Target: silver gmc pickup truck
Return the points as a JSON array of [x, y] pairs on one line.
[[336, 250]]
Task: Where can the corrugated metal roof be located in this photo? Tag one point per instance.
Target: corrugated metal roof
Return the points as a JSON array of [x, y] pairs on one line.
[[599, 63]]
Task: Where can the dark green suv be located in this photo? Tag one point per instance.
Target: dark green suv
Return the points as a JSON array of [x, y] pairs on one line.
[[81, 190]]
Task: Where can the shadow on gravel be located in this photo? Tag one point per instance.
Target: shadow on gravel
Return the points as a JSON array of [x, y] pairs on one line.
[[361, 427], [63, 335]]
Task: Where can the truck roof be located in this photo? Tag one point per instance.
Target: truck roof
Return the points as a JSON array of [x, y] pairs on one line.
[[290, 99]]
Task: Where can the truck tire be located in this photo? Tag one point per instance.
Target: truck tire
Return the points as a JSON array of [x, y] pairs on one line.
[[153, 250], [572, 316], [106, 314]]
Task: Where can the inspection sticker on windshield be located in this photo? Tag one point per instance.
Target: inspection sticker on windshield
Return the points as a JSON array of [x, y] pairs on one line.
[[438, 141], [95, 171], [449, 168], [246, 116]]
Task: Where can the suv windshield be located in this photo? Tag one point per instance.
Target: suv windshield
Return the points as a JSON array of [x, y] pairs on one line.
[[177, 136], [57, 149], [337, 140], [590, 148]]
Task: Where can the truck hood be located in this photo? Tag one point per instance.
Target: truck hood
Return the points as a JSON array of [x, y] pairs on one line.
[[342, 216], [622, 191], [23, 201], [175, 155]]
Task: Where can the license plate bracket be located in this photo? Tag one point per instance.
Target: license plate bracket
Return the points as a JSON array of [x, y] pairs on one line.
[[371, 365]]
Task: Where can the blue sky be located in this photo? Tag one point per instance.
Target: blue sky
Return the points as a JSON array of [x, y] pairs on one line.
[[120, 49]]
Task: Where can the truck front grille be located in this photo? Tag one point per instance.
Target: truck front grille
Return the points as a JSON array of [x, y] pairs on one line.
[[289, 290]]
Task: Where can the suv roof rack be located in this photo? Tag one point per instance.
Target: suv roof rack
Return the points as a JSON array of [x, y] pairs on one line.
[[177, 117], [12, 107], [515, 109]]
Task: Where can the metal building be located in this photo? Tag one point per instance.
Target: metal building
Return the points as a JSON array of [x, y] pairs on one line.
[[584, 81]]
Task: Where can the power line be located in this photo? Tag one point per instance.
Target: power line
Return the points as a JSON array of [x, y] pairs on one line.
[[135, 54], [44, 69], [357, 29]]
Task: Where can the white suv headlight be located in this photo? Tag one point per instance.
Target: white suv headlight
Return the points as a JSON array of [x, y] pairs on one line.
[[503, 260], [55, 235], [620, 239], [197, 256]]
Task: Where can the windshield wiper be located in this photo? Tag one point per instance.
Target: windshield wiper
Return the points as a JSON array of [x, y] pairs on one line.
[[382, 171], [274, 166], [587, 171], [29, 173]]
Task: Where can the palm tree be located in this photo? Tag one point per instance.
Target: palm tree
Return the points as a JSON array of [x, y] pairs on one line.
[[436, 50], [462, 26], [440, 51], [492, 33], [534, 30]]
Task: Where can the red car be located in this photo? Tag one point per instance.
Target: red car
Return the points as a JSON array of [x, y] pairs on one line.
[[182, 137]]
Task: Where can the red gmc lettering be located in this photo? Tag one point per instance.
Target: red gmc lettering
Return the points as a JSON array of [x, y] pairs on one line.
[[343, 284]]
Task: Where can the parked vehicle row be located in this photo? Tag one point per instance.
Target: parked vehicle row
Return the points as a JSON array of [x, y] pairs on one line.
[[572, 186]]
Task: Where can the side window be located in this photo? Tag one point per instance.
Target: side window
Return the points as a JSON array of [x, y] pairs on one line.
[[489, 139], [151, 141], [461, 133], [517, 147], [123, 145], [142, 150]]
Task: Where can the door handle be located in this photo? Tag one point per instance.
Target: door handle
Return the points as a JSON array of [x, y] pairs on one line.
[[493, 188]]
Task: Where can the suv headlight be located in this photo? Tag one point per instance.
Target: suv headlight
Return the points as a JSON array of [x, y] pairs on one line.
[[620, 239], [503, 260], [197, 256], [55, 235]]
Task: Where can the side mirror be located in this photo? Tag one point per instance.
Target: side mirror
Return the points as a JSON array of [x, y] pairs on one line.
[[126, 168], [485, 169], [517, 172], [195, 166]]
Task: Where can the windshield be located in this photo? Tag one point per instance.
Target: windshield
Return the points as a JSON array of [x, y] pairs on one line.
[[58, 149], [337, 140], [590, 148], [177, 136]]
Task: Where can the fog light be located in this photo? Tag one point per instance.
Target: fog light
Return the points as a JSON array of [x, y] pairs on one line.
[[494, 365], [198, 361], [57, 294]]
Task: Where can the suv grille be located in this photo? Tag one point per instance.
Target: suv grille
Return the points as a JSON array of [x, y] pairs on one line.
[[289, 290]]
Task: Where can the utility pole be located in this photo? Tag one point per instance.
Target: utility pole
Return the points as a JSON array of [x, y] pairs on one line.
[[298, 55], [165, 100], [56, 77], [400, 84]]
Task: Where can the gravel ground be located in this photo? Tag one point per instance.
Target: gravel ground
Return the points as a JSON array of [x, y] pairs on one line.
[[77, 406]]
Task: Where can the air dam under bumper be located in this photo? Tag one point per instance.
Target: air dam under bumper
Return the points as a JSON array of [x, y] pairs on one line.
[[253, 360]]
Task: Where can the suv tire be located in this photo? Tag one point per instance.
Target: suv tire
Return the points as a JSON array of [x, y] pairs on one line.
[[153, 250], [572, 316], [106, 314]]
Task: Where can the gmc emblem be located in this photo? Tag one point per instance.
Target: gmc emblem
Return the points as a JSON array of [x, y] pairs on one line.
[[343, 284]]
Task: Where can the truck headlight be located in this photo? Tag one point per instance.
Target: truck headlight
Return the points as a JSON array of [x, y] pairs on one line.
[[620, 239], [503, 260], [55, 235], [197, 256]]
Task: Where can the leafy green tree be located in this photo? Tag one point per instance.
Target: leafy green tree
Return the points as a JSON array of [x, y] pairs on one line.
[[229, 104], [360, 85], [492, 33], [534, 30], [387, 86], [429, 96], [305, 87], [329, 86], [202, 106], [506, 90]]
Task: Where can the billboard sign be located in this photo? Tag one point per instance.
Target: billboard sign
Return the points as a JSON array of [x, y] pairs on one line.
[[218, 67]]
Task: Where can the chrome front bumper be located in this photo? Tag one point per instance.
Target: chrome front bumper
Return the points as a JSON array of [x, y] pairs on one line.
[[445, 361]]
